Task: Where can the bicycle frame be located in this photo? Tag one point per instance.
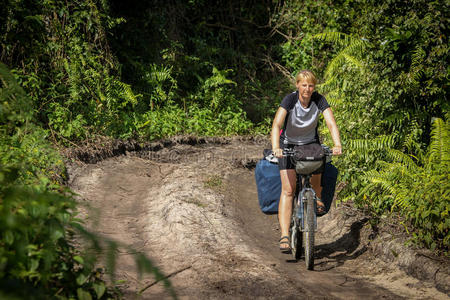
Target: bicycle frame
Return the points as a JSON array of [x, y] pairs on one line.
[[303, 225]]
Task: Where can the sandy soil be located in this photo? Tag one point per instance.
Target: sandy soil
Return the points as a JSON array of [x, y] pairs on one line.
[[193, 210]]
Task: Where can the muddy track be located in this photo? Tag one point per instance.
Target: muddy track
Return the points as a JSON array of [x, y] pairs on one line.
[[191, 206]]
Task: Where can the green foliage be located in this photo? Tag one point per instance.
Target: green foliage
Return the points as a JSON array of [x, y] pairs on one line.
[[23, 145], [162, 85], [420, 191], [439, 152], [350, 56], [36, 257], [68, 69], [75, 82], [38, 215], [215, 91], [144, 70], [172, 120], [201, 42], [385, 67], [167, 121]]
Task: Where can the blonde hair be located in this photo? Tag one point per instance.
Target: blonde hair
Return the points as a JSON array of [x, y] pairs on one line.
[[306, 75]]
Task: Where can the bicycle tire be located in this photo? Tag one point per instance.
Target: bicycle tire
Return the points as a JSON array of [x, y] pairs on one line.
[[296, 234], [309, 213]]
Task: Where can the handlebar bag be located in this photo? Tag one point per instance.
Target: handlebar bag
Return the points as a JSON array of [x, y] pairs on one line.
[[309, 159], [268, 183]]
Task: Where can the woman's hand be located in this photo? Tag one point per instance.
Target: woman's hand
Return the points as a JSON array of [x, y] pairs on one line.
[[277, 152], [337, 150]]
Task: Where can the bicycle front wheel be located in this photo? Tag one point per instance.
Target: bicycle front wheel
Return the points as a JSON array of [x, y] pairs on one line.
[[296, 235], [309, 213]]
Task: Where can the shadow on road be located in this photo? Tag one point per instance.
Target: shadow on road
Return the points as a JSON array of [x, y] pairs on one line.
[[345, 248]]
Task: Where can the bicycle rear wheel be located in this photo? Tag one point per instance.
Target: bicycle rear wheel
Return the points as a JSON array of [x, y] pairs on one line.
[[309, 230]]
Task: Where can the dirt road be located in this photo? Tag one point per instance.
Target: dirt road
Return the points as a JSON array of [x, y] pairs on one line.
[[193, 210]]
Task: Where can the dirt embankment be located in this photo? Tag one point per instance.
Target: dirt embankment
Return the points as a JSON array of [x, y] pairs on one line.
[[191, 205]]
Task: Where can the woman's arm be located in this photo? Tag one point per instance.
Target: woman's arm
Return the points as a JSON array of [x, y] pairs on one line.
[[334, 131], [275, 134]]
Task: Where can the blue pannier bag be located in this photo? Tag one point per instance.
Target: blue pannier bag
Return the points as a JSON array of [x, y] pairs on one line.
[[268, 183], [329, 178]]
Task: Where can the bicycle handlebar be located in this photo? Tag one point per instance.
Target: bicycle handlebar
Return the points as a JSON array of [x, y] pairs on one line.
[[291, 152]]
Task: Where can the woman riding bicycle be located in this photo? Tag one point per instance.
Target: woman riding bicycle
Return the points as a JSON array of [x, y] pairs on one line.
[[297, 119]]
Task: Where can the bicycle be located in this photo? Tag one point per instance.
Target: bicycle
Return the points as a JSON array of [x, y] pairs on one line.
[[304, 217]]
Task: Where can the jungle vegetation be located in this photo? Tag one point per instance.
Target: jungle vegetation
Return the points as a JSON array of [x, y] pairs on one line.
[[74, 70]]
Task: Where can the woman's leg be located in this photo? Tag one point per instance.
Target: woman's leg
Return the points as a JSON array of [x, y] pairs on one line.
[[288, 183]]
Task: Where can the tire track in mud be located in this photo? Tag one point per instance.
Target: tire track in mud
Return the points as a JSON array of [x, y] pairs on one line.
[[191, 208]]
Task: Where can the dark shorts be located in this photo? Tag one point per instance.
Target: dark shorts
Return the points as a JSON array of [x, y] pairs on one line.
[[285, 162]]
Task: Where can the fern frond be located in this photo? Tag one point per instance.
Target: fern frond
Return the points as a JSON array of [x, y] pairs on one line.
[[357, 47], [400, 157], [160, 73], [386, 184], [128, 93], [379, 178], [382, 142], [439, 151], [334, 64], [371, 174], [334, 37], [417, 58], [397, 119], [330, 84], [334, 101], [14, 102], [347, 55], [412, 141], [402, 199], [354, 61]]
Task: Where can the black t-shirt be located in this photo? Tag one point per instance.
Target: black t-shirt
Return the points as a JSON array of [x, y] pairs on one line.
[[291, 99], [300, 125]]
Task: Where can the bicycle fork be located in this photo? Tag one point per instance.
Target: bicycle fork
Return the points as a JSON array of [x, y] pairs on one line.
[[302, 202]]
